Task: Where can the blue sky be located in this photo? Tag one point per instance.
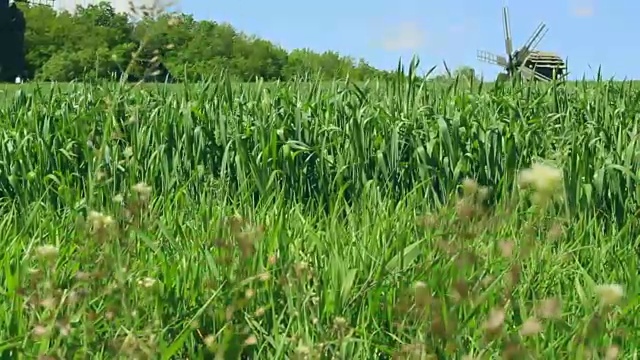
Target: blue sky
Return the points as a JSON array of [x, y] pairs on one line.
[[587, 32]]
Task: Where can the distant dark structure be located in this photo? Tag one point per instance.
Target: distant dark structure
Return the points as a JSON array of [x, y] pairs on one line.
[[12, 51], [13, 64], [157, 72], [153, 72]]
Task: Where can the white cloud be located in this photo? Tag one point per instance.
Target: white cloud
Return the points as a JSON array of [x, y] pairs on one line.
[[584, 11], [582, 8], [405, 36], [118, 5], [458, 29]]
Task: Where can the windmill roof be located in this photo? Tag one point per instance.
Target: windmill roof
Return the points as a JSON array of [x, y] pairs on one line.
[[544, 53]]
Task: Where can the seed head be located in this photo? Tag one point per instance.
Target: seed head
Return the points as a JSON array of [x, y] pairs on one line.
[[100, 221], [147, 282], [495, 321], [550, 308], [531, 326], [47, 252], [483, 193], [251, 340], [128, 152], [469, 187], [544, 179], [612, 353], [340, 323], [210, 341], [506, 248], [40, 331], [143, 190], [259, 312], [421, 293], [609, 294]]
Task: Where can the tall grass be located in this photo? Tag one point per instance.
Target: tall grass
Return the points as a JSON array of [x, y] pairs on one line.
[[280, 220]]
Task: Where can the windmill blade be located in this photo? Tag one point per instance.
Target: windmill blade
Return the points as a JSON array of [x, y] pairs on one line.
[[536, 41], [536, 37], [526, 73], [532, 74], [506, 24], [492, 58], [540, 77]]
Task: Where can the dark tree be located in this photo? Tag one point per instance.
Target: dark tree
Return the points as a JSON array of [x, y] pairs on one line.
[[12, 33]]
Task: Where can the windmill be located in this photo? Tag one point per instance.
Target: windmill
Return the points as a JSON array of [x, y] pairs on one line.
[[527, 62]]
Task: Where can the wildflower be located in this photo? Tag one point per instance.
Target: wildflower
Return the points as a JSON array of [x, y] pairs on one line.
[[469, 187], [146, 282], [609, 294], [495, 321], [612, 353], [506, 248], [210, 341], [302, 351], [251, 340], [128, 152], [259, 312], [340, 322], [421, 293], [40, 331], [48, 303], [544, 179], [48, 252], [530, 327], [555, 232], [265, 276], [249, 293], [99, 220], [143, 190], [550, 308], [63, 327], [483, 193]]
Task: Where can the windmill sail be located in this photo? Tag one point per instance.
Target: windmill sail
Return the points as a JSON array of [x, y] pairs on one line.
[[506, 24], [492, 58], [536, 37]]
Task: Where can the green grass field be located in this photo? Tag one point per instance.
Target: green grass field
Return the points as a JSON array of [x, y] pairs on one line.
[[397, 220]]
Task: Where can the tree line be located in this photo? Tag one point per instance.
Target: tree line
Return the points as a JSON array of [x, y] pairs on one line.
[[96, 42]]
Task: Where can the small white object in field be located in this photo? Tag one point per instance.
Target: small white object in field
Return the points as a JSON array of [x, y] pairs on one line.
[[18, 80]]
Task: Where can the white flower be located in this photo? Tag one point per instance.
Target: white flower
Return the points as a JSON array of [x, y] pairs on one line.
[[100, 220], [543, 178], [47, 252], [609, 294], [142, 189], [128, 152], [147, 282]]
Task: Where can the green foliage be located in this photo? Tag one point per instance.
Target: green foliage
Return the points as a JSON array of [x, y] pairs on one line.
[[59, 49]]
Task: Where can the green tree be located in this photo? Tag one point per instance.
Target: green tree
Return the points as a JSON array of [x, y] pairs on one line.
[[59, 48]]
